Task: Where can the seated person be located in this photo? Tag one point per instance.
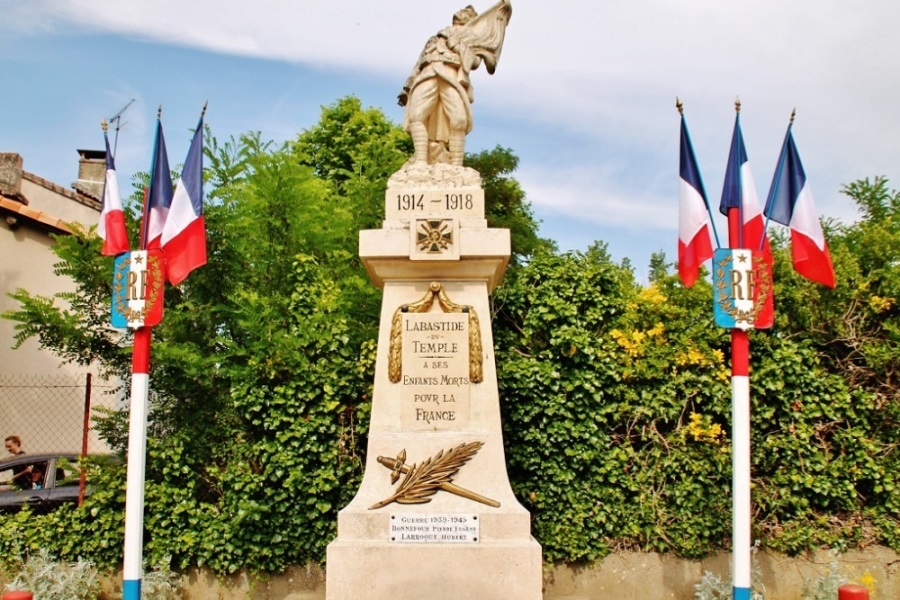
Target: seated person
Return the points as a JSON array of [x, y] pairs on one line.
[[37, 475], [22, 477]]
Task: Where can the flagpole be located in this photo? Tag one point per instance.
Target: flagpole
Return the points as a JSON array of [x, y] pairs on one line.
[[145, 220], [105, 127], [740, 439], [132, 568], [779, 170], [740, 176], [137, 449]]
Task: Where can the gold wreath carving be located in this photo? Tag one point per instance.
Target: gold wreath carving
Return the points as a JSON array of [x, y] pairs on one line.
[[725, 301], [155, 288], [435, 290], [421, 482]]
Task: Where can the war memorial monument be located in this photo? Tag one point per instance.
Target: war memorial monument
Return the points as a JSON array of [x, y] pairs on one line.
[[435, 516]]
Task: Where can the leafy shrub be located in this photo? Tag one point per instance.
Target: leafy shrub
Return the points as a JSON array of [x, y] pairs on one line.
[[49, 579]]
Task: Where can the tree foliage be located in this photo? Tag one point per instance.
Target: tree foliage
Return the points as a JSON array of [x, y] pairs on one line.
[[857, 324], [613, 408], [506, 206], [357, 150], [259, 373]]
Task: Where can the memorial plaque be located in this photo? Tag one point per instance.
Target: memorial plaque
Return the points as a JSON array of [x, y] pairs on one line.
[[464, 203], [435, 381], [419, 528]]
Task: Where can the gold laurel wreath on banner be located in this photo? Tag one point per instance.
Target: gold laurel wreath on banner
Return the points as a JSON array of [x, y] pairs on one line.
[[435, 291], [155, 288], [762, 280]]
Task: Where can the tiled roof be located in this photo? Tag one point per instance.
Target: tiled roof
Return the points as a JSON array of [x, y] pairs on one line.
[[70, 194], [24, 210]]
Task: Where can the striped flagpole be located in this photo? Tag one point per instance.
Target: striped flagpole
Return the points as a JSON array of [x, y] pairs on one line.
[[740, 440], [137, 448], [740, 462], [133, 565]]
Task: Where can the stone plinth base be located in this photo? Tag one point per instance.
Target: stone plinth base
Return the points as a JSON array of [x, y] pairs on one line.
[[386, 571]]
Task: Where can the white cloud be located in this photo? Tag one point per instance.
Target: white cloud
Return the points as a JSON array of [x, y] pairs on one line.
[[596, 195]]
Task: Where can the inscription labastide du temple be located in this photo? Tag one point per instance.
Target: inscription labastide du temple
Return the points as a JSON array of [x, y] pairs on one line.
[[434, 387]]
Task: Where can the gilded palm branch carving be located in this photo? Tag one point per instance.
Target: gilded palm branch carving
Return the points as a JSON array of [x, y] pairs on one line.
[[422, 481]]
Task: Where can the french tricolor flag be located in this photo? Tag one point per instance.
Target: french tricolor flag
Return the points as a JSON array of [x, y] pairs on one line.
[[694, 242], [159, 194], [791, 203], [739, 192], [112, 218], [184, 234]]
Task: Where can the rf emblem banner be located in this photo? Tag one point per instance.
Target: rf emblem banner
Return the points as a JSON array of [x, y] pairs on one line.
[[742, 283], [138, 289]]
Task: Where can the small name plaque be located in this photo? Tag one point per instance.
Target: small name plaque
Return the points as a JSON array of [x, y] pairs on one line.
[[421, 528]]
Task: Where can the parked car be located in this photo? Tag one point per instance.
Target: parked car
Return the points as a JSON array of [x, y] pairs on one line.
[[52, 480]]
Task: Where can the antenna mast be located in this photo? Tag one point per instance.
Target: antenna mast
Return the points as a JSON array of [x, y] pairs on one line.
[[117, 119]]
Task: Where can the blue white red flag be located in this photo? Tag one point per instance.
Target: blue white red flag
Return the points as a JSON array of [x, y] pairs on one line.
[[159, 195], [184, 233], [694, 241], [791, 203], [739, 192], [112, 218]]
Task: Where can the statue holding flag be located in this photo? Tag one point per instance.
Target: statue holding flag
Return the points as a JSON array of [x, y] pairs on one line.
[[438, 94]]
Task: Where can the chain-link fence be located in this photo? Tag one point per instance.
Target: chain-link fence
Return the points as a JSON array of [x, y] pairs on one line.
[[54, 413]]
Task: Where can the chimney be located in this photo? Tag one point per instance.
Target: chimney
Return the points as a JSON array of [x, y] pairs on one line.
[[91, 173], [11, 174]]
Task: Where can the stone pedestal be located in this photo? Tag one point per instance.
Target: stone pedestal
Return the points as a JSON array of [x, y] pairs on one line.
[[448, 526]]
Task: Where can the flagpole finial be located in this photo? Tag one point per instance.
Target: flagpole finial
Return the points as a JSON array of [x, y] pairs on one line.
[[737, 104], [793, 114], [203, 112], [679, 106], [104, 125]]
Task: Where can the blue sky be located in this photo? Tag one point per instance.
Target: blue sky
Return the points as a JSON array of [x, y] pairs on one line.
[[584, 92]]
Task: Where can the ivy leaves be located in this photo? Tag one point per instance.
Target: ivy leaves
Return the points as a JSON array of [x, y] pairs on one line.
[[616, 401]]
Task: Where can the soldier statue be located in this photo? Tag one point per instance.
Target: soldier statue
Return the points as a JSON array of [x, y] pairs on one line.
[[438, 93]]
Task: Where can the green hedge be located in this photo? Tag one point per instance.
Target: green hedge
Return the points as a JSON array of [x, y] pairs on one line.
[[615, 394]]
